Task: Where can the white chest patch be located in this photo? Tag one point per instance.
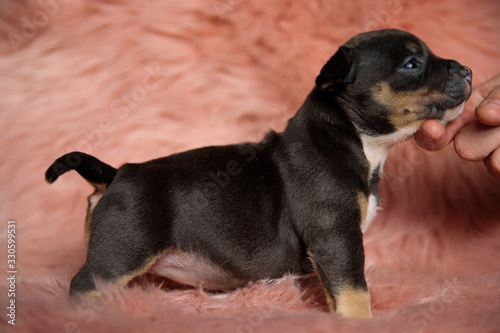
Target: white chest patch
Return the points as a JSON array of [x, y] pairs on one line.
[[371, 212], [376, 150]]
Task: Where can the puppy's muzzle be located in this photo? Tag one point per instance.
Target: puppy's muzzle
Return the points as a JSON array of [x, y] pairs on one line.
[[455, 86]]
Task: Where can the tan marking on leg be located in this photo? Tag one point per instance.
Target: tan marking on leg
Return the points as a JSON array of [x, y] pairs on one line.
[[124, 280], [93, 295], [354, 303], [363, 209], [330, 301], [92, 199], [87, 227]]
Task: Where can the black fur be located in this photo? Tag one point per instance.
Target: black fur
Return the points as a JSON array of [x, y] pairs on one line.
[[263, 210], [87, 166]]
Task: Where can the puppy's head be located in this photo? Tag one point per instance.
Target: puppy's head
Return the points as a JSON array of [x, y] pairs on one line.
[[389, 81]]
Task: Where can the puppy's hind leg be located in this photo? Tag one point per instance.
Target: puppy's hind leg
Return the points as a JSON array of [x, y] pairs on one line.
[[115, 272], [122, 246]]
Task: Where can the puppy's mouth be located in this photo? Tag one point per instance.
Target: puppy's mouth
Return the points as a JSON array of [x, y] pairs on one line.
[[455, 93]]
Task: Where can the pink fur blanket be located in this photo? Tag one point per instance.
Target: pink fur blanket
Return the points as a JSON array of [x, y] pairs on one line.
[[130, 80]]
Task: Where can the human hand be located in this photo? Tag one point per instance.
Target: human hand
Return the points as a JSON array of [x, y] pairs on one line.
[[476, 132]]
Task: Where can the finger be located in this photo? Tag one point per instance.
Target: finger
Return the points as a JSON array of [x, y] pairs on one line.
[[488, 112], [476, 141], [431, 135], [492, 163], [480, 92]]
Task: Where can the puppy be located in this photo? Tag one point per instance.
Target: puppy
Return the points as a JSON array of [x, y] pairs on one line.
[[219, 217]]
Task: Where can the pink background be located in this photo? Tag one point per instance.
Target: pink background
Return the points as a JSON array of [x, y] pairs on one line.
[[128, 81]]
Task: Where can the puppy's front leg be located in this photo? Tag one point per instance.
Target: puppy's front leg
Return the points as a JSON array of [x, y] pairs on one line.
[[338, 258]]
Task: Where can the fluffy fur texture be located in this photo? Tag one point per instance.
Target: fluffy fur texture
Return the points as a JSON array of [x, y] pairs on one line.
[[129, 81]]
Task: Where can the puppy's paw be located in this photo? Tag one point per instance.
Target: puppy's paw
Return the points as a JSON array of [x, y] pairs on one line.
[[354, 303]]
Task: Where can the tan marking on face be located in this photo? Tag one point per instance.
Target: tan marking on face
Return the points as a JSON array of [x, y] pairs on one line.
[[354, 303], [363, 209], [124, 280], [407, 109], [330, 301]]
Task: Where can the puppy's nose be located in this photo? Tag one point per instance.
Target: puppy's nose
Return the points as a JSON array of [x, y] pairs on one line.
[[466, 72]]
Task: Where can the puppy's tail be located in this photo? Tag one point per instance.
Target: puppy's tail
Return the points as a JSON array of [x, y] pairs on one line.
[[97, 173]]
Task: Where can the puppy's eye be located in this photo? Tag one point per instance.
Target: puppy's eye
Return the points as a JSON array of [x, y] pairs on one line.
[[412, 64]]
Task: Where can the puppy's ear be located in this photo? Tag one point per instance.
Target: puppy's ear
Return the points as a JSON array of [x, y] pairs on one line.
[[338, 70]]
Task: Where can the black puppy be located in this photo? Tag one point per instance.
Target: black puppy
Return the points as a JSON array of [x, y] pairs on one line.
[[218, 217]]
